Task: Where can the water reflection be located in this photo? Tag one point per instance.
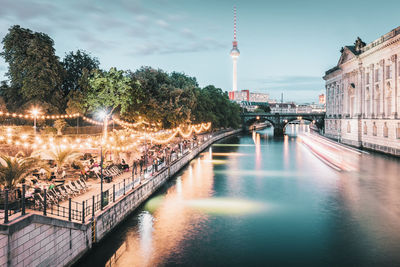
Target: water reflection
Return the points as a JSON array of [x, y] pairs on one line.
[[173, 218], [272, 202]]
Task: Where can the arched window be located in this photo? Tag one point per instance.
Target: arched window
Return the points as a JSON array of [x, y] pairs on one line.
[[388, 99], [352, 98], [385, 130], [398, 131], [374, 129], [365, 128], [368, 102], [377, 100], [348, 127]]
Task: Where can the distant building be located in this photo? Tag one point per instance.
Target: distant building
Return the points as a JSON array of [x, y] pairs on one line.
[[283, 107], [252, 106], [363, 99], [246, 95], [259, 97], [238, 96], [304, 108], [322, 99]]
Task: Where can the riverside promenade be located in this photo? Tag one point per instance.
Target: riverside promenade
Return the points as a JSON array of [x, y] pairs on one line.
[[35, 239]]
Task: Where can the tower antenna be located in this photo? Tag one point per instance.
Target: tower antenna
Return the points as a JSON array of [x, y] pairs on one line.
[[234, 52], [234, 23]]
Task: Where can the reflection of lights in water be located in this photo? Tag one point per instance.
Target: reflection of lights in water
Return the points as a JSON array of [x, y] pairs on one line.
[[210, 151], [229, 154], [258, 151], [145, 233], [336, 156], [226, 206], [286, 150], [179, 185], [216, 161], [262, 173], [232, 145], [153, 203]]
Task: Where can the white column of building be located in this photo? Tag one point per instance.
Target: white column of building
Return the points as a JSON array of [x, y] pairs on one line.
[[372, 89], [382, 89], [360, 91], [394, 86]]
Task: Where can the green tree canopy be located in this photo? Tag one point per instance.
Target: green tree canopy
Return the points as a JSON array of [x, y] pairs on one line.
[[35, 73], [76, 65], [109, 91]]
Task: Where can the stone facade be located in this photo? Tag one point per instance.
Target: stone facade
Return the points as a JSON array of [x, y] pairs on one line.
[[363, 95]]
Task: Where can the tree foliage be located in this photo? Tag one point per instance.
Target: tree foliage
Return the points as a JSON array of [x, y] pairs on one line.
[[77, 85], [35, 73], [77, 66], [14, 169], [108, 91]]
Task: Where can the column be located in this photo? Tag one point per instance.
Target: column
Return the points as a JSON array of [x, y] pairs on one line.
[[382, 88], [372, 90], [394, 85], [360, 91]]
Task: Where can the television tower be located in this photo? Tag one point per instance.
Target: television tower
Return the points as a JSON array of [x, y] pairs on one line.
[[234, 52]]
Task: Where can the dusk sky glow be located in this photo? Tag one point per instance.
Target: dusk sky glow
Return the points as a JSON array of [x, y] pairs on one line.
[[285, 46]]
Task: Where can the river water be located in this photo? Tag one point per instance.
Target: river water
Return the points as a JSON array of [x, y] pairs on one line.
[[256, 200]]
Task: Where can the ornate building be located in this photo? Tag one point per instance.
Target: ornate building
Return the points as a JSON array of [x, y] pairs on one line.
[[363, 95]]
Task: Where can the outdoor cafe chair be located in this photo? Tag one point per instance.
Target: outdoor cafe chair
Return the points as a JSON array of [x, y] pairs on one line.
[[82, 185], [60, 193], [73, 189], [66, 192], [78, 187], [70, 190], [52, 197], [83, 182]]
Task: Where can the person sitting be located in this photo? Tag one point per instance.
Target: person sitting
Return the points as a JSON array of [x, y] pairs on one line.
[[37, 189], [51, 186], [124, 166], [42, 173]]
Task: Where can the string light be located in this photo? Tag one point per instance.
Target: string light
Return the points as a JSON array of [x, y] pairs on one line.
[[32, 115]]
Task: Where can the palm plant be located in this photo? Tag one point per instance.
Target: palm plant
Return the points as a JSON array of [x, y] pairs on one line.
[[61, 157], [14, 169]]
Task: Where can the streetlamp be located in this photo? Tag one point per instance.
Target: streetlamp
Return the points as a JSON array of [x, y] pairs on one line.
[[34, 112], [102, 116]]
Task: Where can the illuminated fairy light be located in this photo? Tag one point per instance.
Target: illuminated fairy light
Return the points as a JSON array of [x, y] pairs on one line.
[[129, 124], [35, 113]]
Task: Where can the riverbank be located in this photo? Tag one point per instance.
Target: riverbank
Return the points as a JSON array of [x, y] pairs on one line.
[[35, 239]]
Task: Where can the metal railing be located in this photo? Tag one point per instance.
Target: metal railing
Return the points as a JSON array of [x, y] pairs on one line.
[[14, 201]]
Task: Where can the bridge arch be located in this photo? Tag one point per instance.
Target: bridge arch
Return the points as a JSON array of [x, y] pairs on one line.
[[279, 121]]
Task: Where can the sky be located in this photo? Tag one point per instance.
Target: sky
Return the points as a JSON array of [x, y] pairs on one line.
[[285, 46]]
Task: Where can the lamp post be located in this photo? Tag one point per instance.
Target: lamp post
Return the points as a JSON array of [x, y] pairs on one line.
[[101, 176], [34, 112], [102, 115]]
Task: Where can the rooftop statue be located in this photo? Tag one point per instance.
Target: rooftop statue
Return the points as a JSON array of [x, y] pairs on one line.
[[359, 44]]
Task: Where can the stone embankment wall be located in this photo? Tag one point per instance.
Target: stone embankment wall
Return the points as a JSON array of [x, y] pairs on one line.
[[37, 240]]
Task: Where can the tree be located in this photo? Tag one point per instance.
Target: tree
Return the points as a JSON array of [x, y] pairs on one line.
[[108, 91], [60, 125], [77, 65], [14, 169], [214, 105], [35, 73], [165, 98]]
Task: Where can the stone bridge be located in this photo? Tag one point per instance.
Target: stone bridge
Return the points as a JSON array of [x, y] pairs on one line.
[[279, 120]]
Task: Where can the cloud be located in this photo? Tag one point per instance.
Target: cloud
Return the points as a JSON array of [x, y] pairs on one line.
[[162, 23]]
